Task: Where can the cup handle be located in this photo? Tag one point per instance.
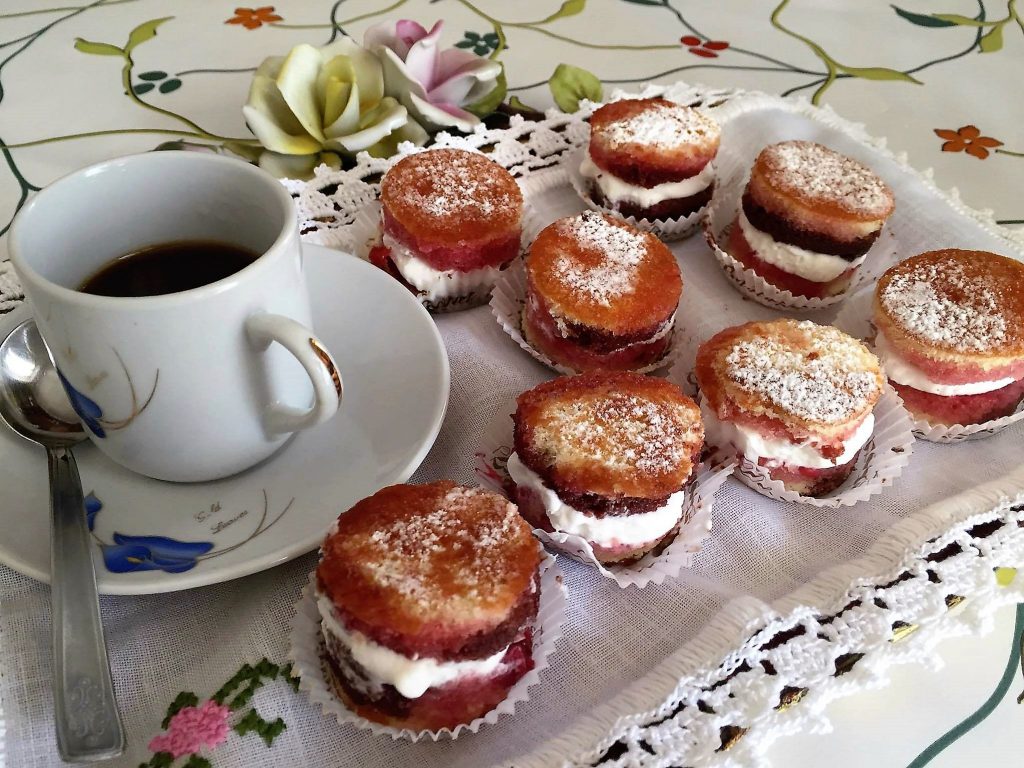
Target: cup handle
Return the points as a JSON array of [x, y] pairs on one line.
[[263, 329]]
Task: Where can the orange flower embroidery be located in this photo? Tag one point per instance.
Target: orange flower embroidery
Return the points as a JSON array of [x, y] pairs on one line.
[[252, 18], [967, 139]]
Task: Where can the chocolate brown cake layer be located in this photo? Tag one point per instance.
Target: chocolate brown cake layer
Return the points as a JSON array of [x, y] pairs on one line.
[[666, 209], [784, 232]]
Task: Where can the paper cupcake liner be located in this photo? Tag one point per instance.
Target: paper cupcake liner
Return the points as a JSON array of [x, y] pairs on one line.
[[507, 301], [721, 213], [306, 654], [855, 319], [878, 464], [663, 229], [652, 568]]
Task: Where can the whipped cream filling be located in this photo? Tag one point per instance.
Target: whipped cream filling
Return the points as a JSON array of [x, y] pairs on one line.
[[906, 373], [608, 531], [755, 445], [617, 190], [411, 677], [810, 265], [437, 284]]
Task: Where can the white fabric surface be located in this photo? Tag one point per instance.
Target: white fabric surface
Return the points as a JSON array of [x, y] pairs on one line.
[[760, 551]]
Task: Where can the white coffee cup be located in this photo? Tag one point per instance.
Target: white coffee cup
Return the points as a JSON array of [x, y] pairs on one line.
[[184, 386]]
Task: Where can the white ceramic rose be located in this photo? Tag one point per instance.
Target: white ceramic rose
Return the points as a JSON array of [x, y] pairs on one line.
[[316, 104]]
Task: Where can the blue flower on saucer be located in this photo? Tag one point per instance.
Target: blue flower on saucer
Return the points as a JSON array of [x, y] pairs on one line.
[[152, 553], [92, 508], [88, 411]]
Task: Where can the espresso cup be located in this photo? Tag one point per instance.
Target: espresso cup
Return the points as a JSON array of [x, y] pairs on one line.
[[186, 386]]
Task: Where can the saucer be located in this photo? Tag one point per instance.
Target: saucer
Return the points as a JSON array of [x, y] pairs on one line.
[[154, 536]]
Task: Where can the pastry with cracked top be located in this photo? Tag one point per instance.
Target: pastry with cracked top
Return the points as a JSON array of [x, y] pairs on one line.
[[600, 294], [791, 396], [428, 596], [951, 335], [451, 221], [651, 158], [606, 456], [808, 217]]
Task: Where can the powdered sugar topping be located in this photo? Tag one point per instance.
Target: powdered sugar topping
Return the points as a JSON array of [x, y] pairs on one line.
[[823, 379], [941, 304], [662, 125], [616, 255], [828, 175], [449, 184]]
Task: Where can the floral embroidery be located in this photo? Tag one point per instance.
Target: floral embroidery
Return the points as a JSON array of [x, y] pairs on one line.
[[191, 727], [706, 48], [967, 139], [253, 18]]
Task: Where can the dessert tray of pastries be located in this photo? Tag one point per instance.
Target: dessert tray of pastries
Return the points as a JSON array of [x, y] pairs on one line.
[[732, 350]]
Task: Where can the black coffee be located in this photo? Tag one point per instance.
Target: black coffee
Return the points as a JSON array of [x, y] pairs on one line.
[[168, 268]]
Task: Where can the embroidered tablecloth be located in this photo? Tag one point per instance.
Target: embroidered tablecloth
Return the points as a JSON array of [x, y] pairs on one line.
[[939, 78]]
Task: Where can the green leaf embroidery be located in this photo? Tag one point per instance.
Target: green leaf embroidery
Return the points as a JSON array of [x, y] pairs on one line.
[[182, 700], [154, 75], [170, 85], [569, 84], [878, 73], [569, 8], [960, 21], [197, 762], [145, 31], [97, 49], [492, 100], [992, 40], [922, 20], [253, 722], [141, 88]]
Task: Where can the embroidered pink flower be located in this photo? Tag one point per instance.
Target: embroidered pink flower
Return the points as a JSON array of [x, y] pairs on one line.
[[193, 728]]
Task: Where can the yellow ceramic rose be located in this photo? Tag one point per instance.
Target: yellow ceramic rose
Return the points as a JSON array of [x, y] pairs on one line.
[[316, 104]]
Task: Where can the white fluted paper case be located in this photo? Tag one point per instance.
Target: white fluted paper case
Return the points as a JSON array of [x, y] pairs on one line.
[[694, 528], [663, 229], [855, 319], [306, 649]]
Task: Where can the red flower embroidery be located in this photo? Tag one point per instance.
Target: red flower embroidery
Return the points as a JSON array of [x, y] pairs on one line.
[[705, 48], [253, 18], [967, 139]]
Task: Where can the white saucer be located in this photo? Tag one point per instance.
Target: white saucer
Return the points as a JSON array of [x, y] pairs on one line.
[[396, 375]]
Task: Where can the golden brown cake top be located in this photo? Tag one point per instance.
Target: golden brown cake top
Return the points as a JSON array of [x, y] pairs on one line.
[[601, 272], [614, 434], [414, 559], [812, 377], [657, 124], [441, 193], [824, 180], [965, 302]]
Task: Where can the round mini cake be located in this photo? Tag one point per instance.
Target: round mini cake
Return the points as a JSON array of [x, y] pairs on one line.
[[450, 222], [651, 158], [427, 596], [793, 397], [600, 294], [951, 335], [605, 456], [808, 217]]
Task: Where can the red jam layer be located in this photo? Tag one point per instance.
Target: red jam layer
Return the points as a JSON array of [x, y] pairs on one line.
[[961, 409], [467, 256]]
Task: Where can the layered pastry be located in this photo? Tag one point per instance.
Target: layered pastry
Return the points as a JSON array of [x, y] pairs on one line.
[[651, 158], [793, 397], [606, 456], [808, 217], [600, 294], [450, 222], [427, 595], [951, 335]]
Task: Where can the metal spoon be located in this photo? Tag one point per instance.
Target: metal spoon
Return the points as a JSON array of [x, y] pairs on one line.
[[88, 724]]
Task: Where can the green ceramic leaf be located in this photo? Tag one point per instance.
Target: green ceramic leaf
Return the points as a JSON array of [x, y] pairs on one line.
[[145, 31], [960, 21], [170, 85], [154, 75], [569, 84], [519, 106], [992, 40], [569, 8], [878, 73], [923, 20], [97, 49], [490, 102], [141, 88]]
